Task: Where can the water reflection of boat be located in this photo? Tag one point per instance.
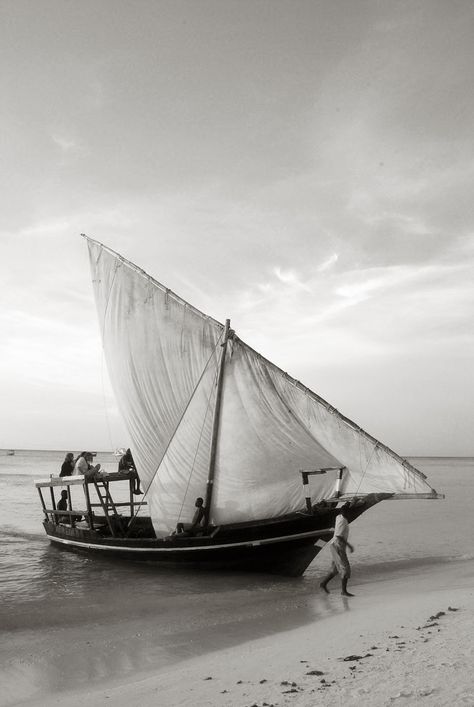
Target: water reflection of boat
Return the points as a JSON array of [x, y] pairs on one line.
[[210, 417]]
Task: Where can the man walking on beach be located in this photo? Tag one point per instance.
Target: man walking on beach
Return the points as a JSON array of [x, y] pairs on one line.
[[339, 543]]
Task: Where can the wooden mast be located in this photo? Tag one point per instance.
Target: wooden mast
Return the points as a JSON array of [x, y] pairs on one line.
[[215, 427]]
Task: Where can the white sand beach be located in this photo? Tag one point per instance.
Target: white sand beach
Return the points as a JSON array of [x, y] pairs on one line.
[[404, 641]]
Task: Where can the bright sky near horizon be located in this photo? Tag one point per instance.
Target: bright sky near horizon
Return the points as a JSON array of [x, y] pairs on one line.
[[302, 167]]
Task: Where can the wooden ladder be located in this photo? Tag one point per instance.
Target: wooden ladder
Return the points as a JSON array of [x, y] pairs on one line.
[[107, 503]]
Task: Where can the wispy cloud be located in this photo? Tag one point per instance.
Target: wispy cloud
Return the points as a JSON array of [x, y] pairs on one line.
[[330, 217], [46, 228], [291, 279], [327, 264], [361, 285], [66, 144]]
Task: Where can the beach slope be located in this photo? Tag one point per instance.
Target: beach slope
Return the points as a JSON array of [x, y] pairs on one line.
[[404, 640]]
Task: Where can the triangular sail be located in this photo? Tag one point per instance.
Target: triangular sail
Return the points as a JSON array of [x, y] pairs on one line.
[[272, 427], [163, 356]]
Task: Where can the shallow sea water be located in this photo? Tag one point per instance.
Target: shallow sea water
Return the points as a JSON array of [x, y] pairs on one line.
[[390, 535], [177, 614]]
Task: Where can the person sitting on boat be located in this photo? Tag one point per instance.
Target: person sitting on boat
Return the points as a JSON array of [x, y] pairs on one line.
[[194, 528], [84, 464], [80, 465], [339, 543], [67, 467], [127, 464], [62, 506]]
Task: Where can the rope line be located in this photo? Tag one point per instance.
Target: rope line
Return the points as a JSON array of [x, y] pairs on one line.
[[176, 429], [109, 429], [374, 448], [197, 446], [104, 402]]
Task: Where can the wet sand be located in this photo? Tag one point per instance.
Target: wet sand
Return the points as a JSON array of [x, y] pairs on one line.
[[405, 640]]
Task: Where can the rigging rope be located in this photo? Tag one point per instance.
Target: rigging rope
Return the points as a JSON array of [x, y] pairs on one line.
[[107, 420], [197, 447], [109, 429], [374, 448], [176, 428]]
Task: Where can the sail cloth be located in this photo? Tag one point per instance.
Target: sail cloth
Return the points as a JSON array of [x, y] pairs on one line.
[[272, 426], [163, 356]]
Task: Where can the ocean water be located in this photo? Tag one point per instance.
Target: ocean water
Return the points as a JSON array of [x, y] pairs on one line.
[[391, 532], [44, 588]]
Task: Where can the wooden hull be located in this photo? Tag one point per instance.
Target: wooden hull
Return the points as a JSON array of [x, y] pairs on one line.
[[281, 546], [282, 556]]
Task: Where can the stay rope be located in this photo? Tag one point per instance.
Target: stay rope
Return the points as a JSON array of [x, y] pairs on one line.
[[366, 466], [104, 402], [198, 445], [176, 429]]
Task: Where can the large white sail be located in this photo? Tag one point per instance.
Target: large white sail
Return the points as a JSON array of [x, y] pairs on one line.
[[163, 355], [272, 427]]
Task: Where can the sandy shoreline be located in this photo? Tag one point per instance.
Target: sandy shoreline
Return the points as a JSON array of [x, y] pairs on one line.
[[405, 657]]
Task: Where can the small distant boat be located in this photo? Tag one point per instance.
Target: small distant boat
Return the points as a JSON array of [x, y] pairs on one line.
[[10, 452], [209, 417]]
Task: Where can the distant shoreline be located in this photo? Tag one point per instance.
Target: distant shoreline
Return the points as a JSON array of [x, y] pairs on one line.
[[53, 451], [112, 451]]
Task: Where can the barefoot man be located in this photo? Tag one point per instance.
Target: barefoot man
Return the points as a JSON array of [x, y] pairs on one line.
[[338, 545]]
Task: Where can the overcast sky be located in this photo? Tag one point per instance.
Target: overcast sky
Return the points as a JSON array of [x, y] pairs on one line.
[[304, 168]]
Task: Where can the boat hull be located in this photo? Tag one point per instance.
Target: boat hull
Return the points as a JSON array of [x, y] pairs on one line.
[[284, 546], [287, 556]]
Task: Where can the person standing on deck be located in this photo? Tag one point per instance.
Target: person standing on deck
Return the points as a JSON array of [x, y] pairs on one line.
[[338, 544]]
